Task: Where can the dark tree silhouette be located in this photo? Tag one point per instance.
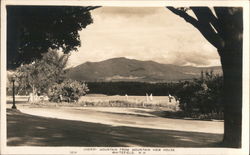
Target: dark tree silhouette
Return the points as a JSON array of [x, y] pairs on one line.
[[32, 30], [224, 30]]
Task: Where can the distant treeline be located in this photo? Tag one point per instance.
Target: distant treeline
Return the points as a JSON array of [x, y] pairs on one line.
[[132, 88]]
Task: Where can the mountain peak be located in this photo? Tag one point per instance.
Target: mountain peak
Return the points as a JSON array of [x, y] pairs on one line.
[[125, 69], [118, 58]]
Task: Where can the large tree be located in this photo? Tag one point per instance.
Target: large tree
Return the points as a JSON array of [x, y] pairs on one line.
[[32, 30], [223, 28]]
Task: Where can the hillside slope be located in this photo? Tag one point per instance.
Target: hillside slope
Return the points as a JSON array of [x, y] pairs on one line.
[[123, 69]]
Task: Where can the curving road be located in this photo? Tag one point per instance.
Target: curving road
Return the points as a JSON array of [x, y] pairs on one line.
[[110, 126]]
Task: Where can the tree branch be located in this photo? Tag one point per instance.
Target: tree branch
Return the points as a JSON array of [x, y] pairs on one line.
[[202, 25], [88, 8], [205, 14], [185, 16], [206, 19]]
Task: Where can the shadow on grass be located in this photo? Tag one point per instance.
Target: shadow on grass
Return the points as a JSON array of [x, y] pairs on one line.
[[28, 130]]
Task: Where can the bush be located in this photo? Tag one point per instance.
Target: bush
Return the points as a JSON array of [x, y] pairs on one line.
[[201, 96], [68, 90]]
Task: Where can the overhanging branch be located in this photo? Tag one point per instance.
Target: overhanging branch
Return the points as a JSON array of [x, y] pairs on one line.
[[88, 8], [202, 25], [205, 15], [185, 16]]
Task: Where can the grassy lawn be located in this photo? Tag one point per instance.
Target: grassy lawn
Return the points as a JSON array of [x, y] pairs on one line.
[[30, 130]]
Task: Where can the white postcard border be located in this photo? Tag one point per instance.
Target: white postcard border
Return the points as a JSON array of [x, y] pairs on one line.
[[138, 3]]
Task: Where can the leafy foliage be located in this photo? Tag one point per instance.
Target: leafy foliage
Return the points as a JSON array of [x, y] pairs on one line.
[[69, 90], [41, 74], [32, 30], [201, 95]]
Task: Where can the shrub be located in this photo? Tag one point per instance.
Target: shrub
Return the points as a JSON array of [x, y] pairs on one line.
[[201, 96], [68, 90]]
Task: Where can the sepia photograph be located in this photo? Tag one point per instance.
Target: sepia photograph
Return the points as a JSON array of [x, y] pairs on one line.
[[145, 77]]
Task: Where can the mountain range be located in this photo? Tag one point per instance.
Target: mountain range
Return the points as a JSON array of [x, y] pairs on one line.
[[124, 69]]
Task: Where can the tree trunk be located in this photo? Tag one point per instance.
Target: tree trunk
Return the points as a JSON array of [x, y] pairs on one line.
[[231, 61], [228, 23]]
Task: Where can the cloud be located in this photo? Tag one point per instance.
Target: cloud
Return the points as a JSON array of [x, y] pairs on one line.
[[127, 11], [144, 34]]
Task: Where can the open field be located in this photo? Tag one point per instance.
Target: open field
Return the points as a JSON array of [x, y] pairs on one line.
[[99, 100], [130, 101], [135, 99]]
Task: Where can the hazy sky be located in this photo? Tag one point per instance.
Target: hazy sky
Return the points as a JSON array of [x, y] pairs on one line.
[[144, 34]]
